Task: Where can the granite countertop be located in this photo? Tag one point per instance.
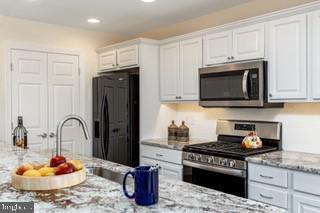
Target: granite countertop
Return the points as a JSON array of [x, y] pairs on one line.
[[101, 195], [299, 161], [165, 143]]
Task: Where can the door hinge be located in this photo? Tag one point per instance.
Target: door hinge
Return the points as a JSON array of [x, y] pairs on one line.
[[11, 67], [79, 71], [11, 126]]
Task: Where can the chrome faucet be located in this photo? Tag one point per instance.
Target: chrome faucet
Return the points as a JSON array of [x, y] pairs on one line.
[[60, 126]]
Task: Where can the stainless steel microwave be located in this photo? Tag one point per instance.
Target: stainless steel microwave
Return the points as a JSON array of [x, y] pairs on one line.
[[235, 85]]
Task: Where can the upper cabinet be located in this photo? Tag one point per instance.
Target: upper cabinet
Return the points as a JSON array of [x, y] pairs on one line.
[[287, 58], [314, 45], [234, 45], [119, 58], [179, 65]]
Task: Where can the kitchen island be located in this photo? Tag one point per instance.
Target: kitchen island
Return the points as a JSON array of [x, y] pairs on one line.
[[97, 194]]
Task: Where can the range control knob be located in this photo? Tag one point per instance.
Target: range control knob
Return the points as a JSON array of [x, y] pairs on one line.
[[210, 159], [232, 163], [191, 156], [198, 157], [223, 162]]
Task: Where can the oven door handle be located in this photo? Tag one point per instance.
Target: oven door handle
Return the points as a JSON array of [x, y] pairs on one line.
[[245, 84], [217, 169]]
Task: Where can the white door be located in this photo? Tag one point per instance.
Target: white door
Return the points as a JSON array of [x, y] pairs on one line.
[[314, 45], [63, 86], [190, 62], [169, 72], [108, 60], [248, 42], [306, 204], [29, 95], [287, 53], [127, 56], [217, 48]]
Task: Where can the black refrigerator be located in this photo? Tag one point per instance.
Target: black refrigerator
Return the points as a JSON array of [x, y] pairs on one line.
[[116, 117]]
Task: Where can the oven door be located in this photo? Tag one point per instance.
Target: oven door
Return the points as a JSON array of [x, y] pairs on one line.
[[239, 85], [228, 180]]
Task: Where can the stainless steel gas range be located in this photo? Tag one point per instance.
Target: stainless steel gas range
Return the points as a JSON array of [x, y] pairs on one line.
[[221, 164]]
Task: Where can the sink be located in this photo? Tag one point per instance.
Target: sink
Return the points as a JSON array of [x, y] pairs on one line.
[[109, 175]]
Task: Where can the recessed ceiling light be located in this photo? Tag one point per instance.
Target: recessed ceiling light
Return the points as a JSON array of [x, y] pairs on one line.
[[93, 21], [148, 1]]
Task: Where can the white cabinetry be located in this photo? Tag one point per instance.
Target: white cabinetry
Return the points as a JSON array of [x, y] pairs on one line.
[[169, 161], [179, 64], [297, 192], [287, 57], [119, 58], [234, 45], [314, 46]]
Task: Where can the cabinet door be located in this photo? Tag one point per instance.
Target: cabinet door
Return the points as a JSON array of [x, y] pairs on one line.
[[108, 60], [287, 53], [217, 48], [306, 204], [127, 56], [29, 95], [169, 72], [190, 62], [314, 45], [171, 170], [248, 42]]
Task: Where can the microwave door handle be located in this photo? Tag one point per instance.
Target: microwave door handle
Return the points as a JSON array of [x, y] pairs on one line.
[[245, 84]]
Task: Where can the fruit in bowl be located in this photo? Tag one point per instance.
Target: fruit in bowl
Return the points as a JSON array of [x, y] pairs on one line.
[[32, 173], [57, 160], [64, 168], [77, 164], [251, 141], [22, 169], [47, 171]]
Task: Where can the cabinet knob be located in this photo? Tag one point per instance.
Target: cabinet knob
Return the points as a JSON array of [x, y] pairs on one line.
[[52, 135], [270, 95], [232, 57], [43, 135], [113, 65], [229, 58]]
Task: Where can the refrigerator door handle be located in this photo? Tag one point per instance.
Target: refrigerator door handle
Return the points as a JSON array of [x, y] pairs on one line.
[[106, 124], [102, 126]]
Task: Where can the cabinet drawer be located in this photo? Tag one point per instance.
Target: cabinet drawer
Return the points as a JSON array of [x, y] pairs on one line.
[[308, 183], [268, 175], [163, 154], [270, 195]]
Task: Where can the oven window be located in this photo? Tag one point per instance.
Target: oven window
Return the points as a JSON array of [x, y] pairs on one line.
[[221, 182], [222, 86]]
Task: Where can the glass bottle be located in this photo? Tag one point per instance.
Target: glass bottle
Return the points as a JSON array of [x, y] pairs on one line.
[[20, 138]]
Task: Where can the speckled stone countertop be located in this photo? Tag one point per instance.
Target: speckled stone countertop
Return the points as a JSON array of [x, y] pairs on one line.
[[299, 161], [101, 195], [165, 143]]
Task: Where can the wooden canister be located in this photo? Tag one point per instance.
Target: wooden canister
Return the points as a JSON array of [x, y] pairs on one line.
[[183, 133], [172, 131]]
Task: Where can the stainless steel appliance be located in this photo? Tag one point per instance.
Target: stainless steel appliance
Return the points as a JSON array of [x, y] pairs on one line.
[[116, 117], [221, 165], [235, 85]]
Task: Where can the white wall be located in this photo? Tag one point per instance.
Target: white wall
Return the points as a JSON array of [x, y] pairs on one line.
[[301, 122], [54, 36]]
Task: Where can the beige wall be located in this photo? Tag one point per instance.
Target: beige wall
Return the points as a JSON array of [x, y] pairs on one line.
[[55, 36], [250, 9]]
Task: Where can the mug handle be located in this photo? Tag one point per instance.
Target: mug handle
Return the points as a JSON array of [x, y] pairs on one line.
[[125, 186]]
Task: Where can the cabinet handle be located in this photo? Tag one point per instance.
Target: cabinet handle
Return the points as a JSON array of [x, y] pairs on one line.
[[267, 177], [159, 155], [266, 197], [52, 135]]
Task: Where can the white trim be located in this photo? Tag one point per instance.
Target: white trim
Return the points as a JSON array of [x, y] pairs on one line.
[[304, 8], [127, 43], [10, 45]]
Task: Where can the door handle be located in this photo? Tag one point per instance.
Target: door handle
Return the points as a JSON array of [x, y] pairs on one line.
[[245, 84], [43, 135], [52, 135]]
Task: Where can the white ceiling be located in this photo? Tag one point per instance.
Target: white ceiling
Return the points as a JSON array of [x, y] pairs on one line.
[[128, 17]]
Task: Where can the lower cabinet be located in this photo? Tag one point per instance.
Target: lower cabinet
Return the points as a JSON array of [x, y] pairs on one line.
[[166, 169], [169, 160], [296, 192]]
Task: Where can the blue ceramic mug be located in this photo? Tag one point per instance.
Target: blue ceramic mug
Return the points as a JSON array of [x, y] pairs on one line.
[[146, 185]]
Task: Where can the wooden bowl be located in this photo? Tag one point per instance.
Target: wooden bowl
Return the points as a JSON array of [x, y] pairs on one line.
[[48, 182]]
